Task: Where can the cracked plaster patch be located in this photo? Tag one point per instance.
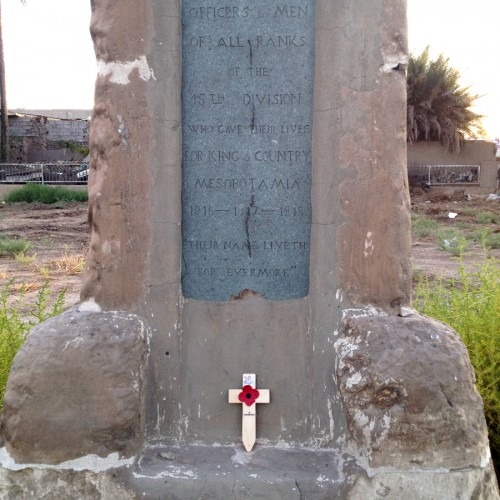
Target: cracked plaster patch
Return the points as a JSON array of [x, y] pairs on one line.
[[394, 61], [91, 463], [120, 71]]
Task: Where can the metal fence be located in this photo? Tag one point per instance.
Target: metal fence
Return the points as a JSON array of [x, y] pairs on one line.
[[435, 175], [44, 173]]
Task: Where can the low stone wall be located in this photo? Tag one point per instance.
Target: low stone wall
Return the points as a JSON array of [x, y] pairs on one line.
[[481, 153]]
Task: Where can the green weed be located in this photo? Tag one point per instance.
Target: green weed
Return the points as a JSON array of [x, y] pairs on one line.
[[487, 218], [452, 241], [493, 240], [11, 247], [41, 193], [469, 212], [15, 325], [486, 237], [471, 305], [478, 235], [422, 226], [24, 259]]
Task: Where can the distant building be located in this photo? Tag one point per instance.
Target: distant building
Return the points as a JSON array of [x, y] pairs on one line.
[[48, 135], [475, 168], [63, 114]]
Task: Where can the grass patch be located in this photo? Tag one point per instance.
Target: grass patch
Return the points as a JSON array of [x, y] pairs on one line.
[[452, 241], [487, 217], [486, 237], [14, 325], [471, 306], [493, 240], [69, 264], [421, 226], [24, 259], [469, 212], [41, 193], [12, 247]]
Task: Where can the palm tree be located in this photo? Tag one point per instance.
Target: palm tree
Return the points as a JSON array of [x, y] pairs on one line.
[[4, 113], [438, 107]]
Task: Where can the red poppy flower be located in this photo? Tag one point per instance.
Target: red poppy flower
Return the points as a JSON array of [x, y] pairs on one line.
[[248, 395]]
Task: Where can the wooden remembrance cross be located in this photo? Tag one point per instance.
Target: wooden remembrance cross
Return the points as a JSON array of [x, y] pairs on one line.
[[249, 396]]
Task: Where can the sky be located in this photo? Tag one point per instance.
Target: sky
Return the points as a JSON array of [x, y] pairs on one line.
[[50, 61]]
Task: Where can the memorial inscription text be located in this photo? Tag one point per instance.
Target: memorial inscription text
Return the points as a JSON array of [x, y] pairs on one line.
[[247, 114]]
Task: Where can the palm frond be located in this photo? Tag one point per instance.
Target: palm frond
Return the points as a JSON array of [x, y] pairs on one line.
[[439, 108]]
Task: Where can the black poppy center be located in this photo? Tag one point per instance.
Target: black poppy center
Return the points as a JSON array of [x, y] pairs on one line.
[[248, 395]]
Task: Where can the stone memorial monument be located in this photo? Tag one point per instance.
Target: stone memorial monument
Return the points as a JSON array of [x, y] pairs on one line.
[[250, 218]]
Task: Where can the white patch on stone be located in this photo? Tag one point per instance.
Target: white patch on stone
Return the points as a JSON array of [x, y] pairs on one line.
[[392, 61], [282, 424], [353, 380], [361, 313], [486, 457], [91, 463], [77, 341], [331, 420], [368, 245], [241, 457], [179, 473], [120, 71], [106, 248], [363, 422], [386, 426], [89, 305], [322, 479], [172, 471], [406, 311], [344, 348]]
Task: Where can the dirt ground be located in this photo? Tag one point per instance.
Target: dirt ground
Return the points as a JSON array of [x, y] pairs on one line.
[[427, 257], [59, 239]]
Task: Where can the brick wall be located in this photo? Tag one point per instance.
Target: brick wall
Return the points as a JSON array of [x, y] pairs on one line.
[[39, 138]]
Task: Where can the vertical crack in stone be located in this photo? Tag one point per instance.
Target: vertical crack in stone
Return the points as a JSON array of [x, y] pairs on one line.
[[251, 52], [247, 221]]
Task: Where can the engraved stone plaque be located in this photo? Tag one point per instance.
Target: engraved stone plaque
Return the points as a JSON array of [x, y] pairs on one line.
[[247, 123]]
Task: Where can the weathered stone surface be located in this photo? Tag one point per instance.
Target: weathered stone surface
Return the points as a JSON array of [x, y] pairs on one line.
[[62, 485], [195, 472], [120, 143], [408, 389], [474, 484], [77, 387]]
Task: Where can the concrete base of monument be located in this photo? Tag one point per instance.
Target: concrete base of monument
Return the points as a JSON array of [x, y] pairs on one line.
[[231, 472], [194, 472]]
